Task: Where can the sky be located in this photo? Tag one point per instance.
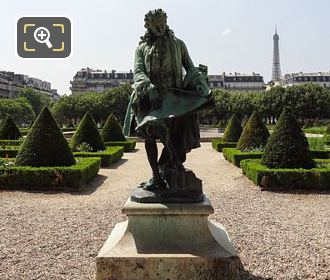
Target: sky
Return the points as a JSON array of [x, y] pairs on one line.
[[227, 36]]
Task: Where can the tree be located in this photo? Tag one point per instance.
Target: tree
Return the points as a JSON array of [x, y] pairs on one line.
[[287, 147], [112, 130], [18, 108], [254, 135], [36, 99], [233, 130], [9, 129], [87, 133], [45, 144], [116, 101]]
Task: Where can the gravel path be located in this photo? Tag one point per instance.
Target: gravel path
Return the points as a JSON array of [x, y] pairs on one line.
[[57, 236]]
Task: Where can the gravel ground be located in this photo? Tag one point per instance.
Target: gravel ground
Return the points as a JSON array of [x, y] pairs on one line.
[[57, 236]]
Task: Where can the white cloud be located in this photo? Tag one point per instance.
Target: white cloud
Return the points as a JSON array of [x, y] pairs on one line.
[[226, 32]]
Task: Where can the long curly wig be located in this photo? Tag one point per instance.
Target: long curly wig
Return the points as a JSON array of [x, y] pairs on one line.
[[149, 37]]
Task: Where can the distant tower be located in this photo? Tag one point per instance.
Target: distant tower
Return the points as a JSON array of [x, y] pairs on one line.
[[276, 75]]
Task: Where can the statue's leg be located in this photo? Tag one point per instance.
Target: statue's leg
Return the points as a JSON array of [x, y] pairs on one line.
[[152, 154], [175, 158]]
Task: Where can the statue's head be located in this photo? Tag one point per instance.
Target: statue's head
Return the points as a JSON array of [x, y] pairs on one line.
[[156, 22]]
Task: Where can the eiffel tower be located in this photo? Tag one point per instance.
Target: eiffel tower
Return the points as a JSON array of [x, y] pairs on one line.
[[276, 74]]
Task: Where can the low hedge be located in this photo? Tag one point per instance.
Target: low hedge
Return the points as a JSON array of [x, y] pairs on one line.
[[109, 156], [218, 144], [315, 130], [129, 145], [11, 142], [326, 139], [321, 154], [285, 179], [235, 156], [8, 151], [62, 178]]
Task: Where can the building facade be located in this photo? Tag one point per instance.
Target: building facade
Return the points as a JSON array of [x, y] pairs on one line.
[[237, 81], [89, 80], [11, 84], [320, 78]]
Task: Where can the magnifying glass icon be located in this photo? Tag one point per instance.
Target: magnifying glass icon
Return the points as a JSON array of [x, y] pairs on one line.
[[41, 35]]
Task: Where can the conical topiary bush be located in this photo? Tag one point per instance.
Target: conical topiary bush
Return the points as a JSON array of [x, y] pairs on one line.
[[45, 144], [254, 136], [9, 129], [112, 130], [327, 131], [326, 136], [287, 147], [233, 130], [87, 133]]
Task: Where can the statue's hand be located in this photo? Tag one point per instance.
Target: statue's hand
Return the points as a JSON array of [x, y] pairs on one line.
[[154, 97]]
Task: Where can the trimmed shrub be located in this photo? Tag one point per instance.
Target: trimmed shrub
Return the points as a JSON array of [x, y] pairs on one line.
[[254, 136], [218, 144], [288, 178], [129, 145], [59, 178], [315, 130], [233, 130], [87, 132], [287, 147], [321, 154], [8, 151], [112, 130], [9, 129], [326, 135], [316, 143], [328, 129], [235, 156], [109, 156], [11, 142], [45, 144]]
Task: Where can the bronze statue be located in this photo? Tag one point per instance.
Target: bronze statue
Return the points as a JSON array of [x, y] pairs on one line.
[[164, 106]]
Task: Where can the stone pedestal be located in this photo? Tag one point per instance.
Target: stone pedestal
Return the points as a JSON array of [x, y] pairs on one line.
[[167, 242]]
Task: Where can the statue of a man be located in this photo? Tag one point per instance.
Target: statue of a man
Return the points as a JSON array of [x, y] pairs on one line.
[[165, 101]]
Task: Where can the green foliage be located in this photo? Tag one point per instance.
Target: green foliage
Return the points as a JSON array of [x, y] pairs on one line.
[[45, 144], [287, 147], [63, 178], [109, 156], [316, 143], [84, 147], [36, 99], [11, 142], [112, 130], [18, 108], [255, 134], [9, 129], [320, 154], [8, 151], [73, 107], [116, 101], [233, 130], [315, 130], [218, 144], [235, 156], [288, 178], [129, 145], [87, 132], [309, 101], [328, 129]]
